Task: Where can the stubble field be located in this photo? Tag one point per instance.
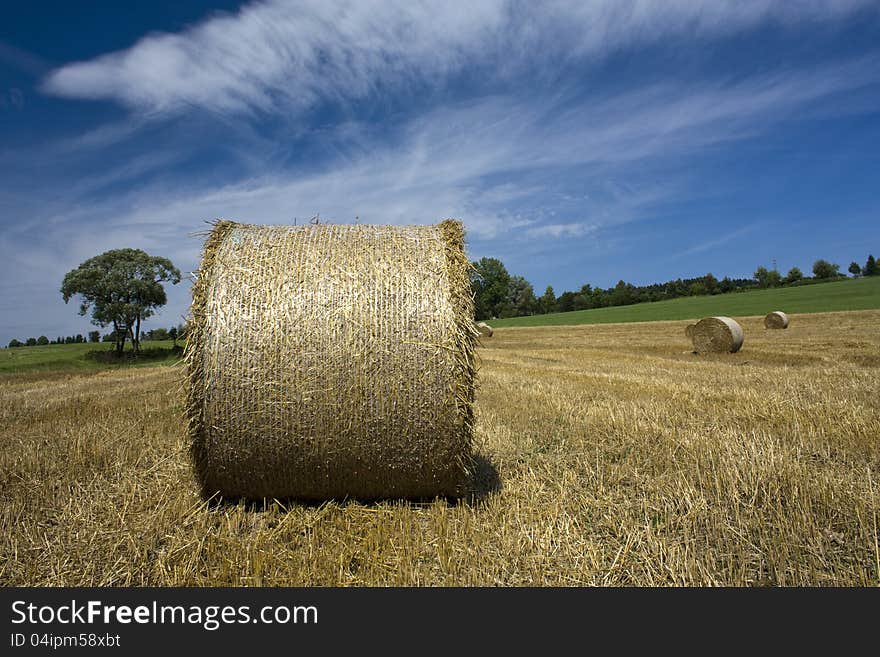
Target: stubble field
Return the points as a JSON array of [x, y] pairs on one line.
[[607, 454]]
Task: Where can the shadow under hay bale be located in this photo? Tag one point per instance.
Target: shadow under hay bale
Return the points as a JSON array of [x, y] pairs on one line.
[[483, 481], [715, 335], [484, 329], [332, 362], [776, 320]]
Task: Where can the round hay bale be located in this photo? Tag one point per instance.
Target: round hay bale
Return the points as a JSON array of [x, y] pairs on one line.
[[484, 329], [776, 320], [716, 335], [689, 330], [332, 361]]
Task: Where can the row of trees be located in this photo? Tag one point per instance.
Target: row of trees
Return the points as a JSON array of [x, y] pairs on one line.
[[174, 333], [822, 271], [870, 269], [498, 294], [123, 287], [94, 336]]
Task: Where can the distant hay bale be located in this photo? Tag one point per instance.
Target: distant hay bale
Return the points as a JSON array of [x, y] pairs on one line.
[[776, 320], [715, 335], [484, 329], [332, 361]]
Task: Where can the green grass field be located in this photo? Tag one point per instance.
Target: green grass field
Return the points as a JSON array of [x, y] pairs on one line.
[[858, 294], [56, 357]]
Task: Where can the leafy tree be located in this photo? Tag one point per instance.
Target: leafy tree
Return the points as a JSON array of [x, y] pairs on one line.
[[599, 298], [42, 340], [621, 294], [157, 334], [794, 274], [726, 285], [490, 283], [825, 269], [855, 269], [565, 302], [871, 268], [15, 343], [761, 275], [767, 278], [122, 287], [31, 342], [94, 336], [521, 296], [547, 302], [710, 283], [583, 300]]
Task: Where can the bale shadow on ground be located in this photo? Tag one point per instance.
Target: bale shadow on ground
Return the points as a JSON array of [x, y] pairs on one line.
[[484, 482]]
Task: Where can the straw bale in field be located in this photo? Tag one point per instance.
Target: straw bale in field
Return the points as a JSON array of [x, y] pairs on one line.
[[484, 329], [715, 335], [332, 361], [776, 320]]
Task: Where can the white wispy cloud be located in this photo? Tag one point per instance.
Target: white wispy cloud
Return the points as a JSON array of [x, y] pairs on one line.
[[517, 168], [715, 242], [561, 230], [291, 54], [481, 159]]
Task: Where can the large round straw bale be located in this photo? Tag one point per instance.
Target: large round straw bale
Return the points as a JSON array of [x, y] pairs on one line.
[[484, 329], [332, 361], [776, 320], [716, 334]]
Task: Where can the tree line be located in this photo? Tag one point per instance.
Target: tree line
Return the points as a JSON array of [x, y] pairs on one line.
[[94, 336], [174, 333], [123, 287], [498, 294]]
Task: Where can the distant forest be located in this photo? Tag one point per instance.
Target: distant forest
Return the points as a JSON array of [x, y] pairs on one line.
[[498, 294], [174, 333]]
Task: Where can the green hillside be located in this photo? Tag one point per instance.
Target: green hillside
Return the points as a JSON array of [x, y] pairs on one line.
[[858, 294], [83, 356]]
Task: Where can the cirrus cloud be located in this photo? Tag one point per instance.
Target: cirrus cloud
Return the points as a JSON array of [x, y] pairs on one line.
[[289, 55]]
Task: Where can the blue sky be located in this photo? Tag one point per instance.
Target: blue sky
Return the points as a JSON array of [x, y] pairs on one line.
[[580, 142]]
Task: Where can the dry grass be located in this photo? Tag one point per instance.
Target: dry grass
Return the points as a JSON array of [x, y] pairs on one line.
[[622, 459]]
